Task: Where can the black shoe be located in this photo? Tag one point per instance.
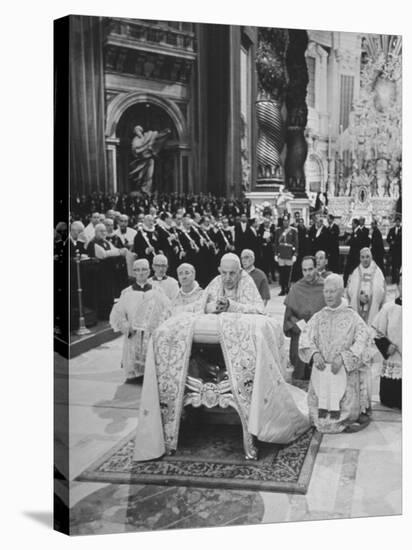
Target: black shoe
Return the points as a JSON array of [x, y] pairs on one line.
[[282, 293], [135, 380]]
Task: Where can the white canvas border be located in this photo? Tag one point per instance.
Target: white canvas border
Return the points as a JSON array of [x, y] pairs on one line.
[[26, 355]]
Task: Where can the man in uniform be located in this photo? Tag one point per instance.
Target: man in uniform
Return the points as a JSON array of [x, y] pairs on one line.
[[286, 249], [394, 240]]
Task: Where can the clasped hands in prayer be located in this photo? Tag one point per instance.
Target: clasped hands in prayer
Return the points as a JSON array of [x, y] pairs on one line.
[[220, 306], [319, 362], [363, 298]]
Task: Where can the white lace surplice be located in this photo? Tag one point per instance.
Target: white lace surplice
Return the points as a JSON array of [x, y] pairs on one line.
[[372, 282], [388, 324], [169, 286], [143, 312]]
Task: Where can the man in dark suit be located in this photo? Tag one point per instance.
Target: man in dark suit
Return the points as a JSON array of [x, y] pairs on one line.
[[230, 209], [76, 246], [377, 248], [191, 243], [169, 242], [253, 241], [355, 241], [266, 234], [319, 236], [333, 228], [240, 234], [364, 233], [394, 240], [304, 247], [146, 241], [112, 270], [224, 238]]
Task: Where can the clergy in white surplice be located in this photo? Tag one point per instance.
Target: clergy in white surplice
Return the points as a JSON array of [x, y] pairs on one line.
[[189, 295], [388, 339], [366, 288], [138, 312], [338, 344], [232, 315], [160, 279]]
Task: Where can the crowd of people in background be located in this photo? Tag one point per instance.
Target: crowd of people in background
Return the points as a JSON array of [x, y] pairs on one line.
[[200, 229], [179, 237]]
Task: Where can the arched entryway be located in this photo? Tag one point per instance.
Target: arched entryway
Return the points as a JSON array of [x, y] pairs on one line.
[[150, 117], [314, 174], [171, 167]]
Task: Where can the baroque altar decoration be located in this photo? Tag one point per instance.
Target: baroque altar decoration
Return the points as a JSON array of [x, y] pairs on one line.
[[373, 139]]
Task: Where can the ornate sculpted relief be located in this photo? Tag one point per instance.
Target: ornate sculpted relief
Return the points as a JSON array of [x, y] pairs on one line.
[[147, 65]]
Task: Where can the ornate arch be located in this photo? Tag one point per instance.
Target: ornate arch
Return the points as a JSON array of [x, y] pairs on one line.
[[316, 159], [123, 101]]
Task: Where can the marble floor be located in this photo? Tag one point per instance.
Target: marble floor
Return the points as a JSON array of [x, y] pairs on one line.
[[355, 475]]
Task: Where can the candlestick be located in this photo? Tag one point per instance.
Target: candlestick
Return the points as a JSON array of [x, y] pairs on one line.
[[82, 330]]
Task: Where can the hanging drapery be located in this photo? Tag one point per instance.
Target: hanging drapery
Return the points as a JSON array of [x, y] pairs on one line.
[[86, 103]]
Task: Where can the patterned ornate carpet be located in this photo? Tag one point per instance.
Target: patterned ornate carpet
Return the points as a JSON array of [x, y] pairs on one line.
[[213, 457]]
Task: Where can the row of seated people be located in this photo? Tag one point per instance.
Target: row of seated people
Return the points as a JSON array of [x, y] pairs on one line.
[[203, 240], [199, 241]]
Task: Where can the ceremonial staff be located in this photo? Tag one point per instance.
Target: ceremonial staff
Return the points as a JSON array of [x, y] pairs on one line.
[[82, 330]]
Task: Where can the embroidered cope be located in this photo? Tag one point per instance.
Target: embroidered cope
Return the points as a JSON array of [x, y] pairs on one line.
[[188, 301], [255, 360], [339, 331]]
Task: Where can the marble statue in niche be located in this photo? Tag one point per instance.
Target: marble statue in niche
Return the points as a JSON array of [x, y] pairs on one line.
[[145, 147]]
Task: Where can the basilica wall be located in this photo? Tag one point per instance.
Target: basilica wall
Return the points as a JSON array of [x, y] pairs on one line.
[[234, 109], [148, 77]]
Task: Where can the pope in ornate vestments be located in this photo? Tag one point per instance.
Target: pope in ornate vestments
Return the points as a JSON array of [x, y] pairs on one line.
[[139, 310], [338, 343], [366, 288], [255, 359]]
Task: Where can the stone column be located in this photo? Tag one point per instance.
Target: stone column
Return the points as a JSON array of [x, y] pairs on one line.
[[233, 162], [331, 177], [271, 72], [297, 147], [111, 155]]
